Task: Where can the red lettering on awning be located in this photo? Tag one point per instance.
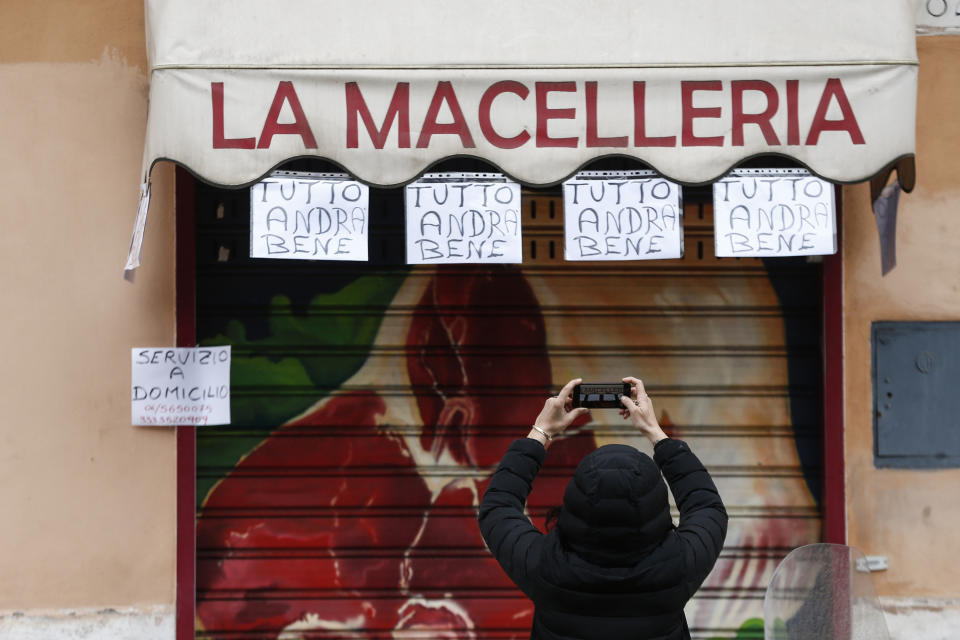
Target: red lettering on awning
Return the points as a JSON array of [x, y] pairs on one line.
[[762, 119], [444, 93], [486, 125], [691, 113], [593, 139], [640, 138], [399, 110], [299, 126], [848, 123], [545, 114], [793, 120], [220, 141]]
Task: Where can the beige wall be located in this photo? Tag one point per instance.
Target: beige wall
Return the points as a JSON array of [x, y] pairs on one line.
[[909, 516], [89, 501]]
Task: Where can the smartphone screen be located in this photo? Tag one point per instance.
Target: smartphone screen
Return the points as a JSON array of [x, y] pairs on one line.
[[600, 395]]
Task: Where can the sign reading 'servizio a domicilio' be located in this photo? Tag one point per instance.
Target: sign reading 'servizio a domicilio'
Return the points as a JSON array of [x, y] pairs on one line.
[[773, 212], [309, 216], [180, 386], [463, 218], [622, 215]]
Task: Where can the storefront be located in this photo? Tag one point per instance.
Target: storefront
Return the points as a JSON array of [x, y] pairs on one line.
[[371, 400]]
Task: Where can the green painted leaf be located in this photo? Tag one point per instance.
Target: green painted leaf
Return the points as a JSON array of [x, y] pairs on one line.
[[303, 357], [752, 629]]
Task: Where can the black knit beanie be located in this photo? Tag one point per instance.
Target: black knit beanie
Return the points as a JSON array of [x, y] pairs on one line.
[[615, 507]]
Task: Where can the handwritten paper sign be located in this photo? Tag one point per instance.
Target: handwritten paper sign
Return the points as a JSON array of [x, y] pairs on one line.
[[463, 218], [180, 386], [773, 212], [309, 216], [622, 215]]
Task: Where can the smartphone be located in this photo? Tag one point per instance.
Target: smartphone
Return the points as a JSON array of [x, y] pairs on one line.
[[600, 395]]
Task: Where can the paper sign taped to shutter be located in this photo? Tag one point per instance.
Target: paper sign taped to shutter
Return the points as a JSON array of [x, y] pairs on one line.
[[773, 212], [309, 216], [622, 215], [180, 386], [463, 218]]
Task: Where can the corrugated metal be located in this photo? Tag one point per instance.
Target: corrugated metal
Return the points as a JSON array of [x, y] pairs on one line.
[[401, 387]]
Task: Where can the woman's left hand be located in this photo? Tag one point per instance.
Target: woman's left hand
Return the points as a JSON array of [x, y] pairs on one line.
[[557, 413]]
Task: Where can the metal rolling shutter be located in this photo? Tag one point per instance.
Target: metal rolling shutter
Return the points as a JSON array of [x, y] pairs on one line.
[[400, 388]]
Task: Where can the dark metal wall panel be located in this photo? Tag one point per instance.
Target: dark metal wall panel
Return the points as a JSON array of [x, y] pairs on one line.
[[916, 371], [372, 401]]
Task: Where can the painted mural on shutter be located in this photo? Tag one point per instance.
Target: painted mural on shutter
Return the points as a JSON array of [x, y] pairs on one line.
[[372, 402]]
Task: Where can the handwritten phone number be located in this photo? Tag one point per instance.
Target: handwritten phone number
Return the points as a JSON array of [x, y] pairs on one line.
[[172, 420], [181, 409]]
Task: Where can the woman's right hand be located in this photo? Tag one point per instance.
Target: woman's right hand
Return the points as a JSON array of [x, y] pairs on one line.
[[639, 409], [557, 414]]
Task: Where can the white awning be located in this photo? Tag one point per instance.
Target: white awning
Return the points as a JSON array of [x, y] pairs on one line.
[[538, 89]]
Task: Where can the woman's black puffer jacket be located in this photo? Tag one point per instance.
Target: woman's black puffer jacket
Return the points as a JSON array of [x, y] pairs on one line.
[[614, 567]]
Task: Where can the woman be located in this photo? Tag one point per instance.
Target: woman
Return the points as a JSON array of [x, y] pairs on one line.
[[615, 567]]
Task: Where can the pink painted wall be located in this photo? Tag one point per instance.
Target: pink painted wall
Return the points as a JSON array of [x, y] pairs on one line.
[[89, 501], [909, 516]]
